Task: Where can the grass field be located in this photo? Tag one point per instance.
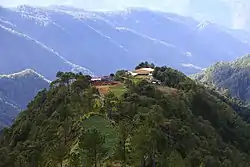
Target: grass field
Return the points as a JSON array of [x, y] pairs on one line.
[[118, 89], [106, 128], [136, 80]]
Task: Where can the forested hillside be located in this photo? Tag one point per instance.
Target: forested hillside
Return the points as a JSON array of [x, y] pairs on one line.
[[176, 124], [232, 78]]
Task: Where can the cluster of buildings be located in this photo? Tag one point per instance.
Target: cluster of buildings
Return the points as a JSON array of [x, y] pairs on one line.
[[104, 80], [142, 72], [145, 73], [109, 80]]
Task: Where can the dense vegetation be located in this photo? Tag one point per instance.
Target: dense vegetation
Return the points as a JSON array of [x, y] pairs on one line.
[[16, 91], [232, 78], [145, 65], [176, 124]]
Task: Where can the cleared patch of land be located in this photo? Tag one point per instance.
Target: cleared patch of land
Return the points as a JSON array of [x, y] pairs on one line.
[[117, 89]]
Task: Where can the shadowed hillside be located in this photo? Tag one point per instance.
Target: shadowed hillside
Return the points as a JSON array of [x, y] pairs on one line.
[[16, 91]]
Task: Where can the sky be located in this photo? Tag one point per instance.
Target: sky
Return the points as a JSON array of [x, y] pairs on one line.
[[234, 13]]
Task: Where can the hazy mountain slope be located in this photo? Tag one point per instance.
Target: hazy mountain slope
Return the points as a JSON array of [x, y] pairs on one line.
[[106, 41], [17, 90], [71, 37], [233, 76], [204, 40], [8, 113], [25, 52]]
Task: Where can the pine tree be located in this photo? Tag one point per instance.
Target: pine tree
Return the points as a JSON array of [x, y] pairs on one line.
[[92, 144]]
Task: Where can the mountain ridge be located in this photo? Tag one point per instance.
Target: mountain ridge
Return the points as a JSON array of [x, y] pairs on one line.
[[12, 29], [94, 39], [25, 72], [16, 91]]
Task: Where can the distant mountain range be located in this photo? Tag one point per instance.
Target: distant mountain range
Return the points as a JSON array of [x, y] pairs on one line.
[[16, 91], [69, 39]]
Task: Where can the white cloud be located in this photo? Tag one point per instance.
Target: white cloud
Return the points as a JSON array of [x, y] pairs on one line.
[[192, 66]]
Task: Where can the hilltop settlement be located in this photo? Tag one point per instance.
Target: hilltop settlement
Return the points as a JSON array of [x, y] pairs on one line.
[[114, 81]]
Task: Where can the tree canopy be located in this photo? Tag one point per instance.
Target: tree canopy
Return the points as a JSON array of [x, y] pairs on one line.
[[145, 65]]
